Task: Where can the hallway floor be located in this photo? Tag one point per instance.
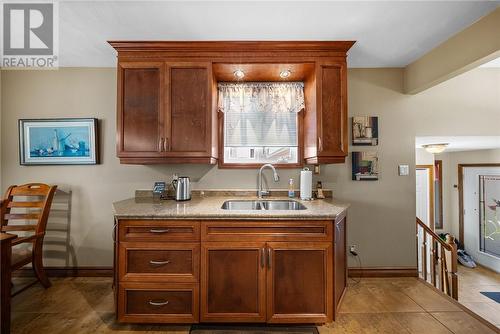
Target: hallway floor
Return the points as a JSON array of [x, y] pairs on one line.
[[377, 305], [470, 283]]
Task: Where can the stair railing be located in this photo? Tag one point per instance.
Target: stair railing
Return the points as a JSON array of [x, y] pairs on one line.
[[437, 260]]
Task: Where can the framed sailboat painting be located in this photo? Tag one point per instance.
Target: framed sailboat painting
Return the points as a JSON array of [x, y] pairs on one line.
[[59, 141]]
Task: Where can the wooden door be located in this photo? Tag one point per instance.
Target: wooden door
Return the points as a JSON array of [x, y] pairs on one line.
[[140, 109], [299, 282], [332, 118], [189, 109], [340, 261], [233, 283]]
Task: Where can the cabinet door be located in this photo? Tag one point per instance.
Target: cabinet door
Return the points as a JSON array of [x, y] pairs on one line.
[[189, 109], [140, 109], [332, 118], [299, 282], [233, 282], [340, 260]]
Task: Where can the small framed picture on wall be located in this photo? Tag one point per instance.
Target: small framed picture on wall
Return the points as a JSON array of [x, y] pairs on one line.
[[58, 141], [365, 166], [364, 131]]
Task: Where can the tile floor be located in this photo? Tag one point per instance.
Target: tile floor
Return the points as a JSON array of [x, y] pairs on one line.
[[470, 283], [377, 305]]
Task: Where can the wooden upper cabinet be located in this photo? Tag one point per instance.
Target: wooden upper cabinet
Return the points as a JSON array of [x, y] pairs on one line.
[[167, 96], [165, 113], [326, 130], [140, 109], [189, 109]]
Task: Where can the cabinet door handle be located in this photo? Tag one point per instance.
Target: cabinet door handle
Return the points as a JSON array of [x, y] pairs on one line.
[[269, 258], [320, 144], [159, 231], [158, 263], [160, 144], [158, 303], [166, 145], [262, 257]]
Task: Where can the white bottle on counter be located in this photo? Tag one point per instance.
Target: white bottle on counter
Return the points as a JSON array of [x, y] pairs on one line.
[[306, 184]]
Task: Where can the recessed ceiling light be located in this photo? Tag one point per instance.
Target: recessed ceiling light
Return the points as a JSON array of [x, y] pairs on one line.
[[239, 74], [435, 148], [285, 74]]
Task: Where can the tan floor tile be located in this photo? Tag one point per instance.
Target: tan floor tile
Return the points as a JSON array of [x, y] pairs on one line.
[[364, 323], [417, 323], [428, 299], [393, 300], [462, 323], [490, 312]]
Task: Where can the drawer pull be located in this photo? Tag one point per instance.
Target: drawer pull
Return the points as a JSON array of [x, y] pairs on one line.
[[158, 263], [154, 230], [158, 303]]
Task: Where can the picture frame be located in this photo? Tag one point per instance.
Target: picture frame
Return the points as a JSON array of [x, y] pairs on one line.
[[58, 141], [365, 131], [365, 166]]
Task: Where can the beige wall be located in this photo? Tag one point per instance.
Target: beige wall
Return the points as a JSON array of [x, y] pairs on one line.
[[473, 46], [451, 161], [381, 219]]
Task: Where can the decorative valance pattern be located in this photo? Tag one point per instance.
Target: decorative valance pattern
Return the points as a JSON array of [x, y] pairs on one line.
[[277, 97]]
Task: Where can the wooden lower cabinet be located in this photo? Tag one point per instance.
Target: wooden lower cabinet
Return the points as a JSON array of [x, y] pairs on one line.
[[158, 302], [299, 282], [340, 260], [233, 281], [270, 275]]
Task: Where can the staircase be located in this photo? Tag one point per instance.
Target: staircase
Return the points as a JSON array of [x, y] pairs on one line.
[[437, 260]]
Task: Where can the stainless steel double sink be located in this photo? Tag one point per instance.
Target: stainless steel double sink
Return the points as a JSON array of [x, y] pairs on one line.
[[262, 205]]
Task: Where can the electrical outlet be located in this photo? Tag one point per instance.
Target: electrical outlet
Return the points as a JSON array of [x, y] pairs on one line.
[[352, 248]]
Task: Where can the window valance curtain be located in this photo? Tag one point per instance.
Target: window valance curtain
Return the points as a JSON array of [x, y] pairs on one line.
[[275, 97]]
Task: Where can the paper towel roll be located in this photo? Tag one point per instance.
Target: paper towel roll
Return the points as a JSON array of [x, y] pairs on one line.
[[306, 184]]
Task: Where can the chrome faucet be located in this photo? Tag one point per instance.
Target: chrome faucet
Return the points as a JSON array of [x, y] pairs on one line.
[[276, 178]]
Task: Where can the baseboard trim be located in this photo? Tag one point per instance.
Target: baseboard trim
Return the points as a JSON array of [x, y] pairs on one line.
[[68, 272], [383, 272]]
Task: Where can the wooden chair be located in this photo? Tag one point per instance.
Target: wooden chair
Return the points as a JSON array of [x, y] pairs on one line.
[[35, 204]]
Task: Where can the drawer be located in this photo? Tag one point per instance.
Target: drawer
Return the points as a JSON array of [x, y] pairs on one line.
[[158, 302], [314, 230], [174, 262], [158, 230]]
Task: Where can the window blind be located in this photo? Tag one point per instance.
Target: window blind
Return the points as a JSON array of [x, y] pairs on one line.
[[248, 129]]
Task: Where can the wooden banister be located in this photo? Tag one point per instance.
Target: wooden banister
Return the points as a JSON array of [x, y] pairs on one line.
[[434, 235], [440, 253]]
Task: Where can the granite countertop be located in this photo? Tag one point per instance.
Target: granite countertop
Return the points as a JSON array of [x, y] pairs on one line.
[[209, 207]]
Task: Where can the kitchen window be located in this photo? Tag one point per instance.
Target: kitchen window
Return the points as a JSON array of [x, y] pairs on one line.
[[261, 123]]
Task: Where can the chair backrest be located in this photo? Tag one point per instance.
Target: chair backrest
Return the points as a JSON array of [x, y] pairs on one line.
[[37, 199]]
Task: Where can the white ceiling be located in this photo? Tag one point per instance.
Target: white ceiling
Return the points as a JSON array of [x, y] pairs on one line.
[[493, 63], [388, 34], [461, 143]]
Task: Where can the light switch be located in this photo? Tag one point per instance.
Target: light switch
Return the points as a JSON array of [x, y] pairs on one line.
[[404, 170]]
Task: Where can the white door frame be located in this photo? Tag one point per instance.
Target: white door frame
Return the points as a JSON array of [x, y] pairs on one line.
[[430, 204]]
